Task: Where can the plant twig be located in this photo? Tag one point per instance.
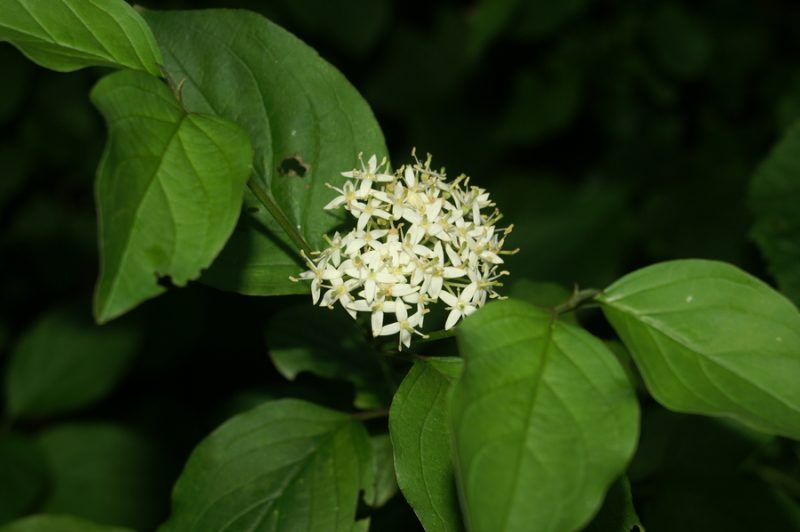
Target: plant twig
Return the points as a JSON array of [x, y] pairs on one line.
[[438, 335], [263, 195], [578, 299]]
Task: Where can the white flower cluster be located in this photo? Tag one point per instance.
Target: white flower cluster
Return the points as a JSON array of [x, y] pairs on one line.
[[418, 239]]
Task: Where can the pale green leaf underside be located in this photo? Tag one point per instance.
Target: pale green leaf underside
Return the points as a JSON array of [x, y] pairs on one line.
[[63, 363], [774, 198], [419, 426], [293, 104], [66, 35], [169, 190], [285, 465], [711, 339], [544, 420]]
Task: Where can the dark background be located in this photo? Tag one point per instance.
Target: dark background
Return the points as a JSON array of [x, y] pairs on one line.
[[613, 134]]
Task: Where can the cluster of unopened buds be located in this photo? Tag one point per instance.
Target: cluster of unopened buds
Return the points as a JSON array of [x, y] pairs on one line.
[[418, 240]]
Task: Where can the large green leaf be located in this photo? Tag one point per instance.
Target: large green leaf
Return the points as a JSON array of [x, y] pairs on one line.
[[420, 429], [58, 523], [336, 350], [67, 35], [169, 190], [285, 465], [774, 197], [544, 420], [711, 339], [306, 122], [64, 362], [23, 476], [105, 473]]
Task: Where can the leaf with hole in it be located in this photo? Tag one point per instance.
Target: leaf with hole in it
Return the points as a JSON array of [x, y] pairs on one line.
[[169, 190], [711, 339], [336, 350], [66, 35], [23, 476], [58, 523], [544, 420], [420, 430], [285, 465], [65, 362], [774, 197], [306, 122]]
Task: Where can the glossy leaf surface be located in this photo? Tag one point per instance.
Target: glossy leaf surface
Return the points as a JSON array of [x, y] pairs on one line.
[[709, 338], [306, 121], [285, 465], [67, 35], [420, 429], [540, 403], [169, 190]]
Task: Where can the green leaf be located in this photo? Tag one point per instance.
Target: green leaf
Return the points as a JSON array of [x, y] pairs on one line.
[[23, 476], [65, 362], [300, 113], [420, 430], [286, 465], [617, 513], [710, 339], [57, 523], [774, 196], [169, 190], [544, 420], [67, 35], [384, 483], [362, 525], [336, 350], [105, 473]]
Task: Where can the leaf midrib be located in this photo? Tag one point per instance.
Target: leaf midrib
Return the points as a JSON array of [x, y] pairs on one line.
[[671, 335], [151, 180], [305, 461], [537, 385]]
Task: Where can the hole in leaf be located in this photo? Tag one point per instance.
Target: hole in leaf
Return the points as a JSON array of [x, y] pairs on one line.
[[293, 166]]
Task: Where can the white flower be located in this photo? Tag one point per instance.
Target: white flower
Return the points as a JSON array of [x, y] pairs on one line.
[[460, 306], [418, 238], [377, 307], [405, 325]]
